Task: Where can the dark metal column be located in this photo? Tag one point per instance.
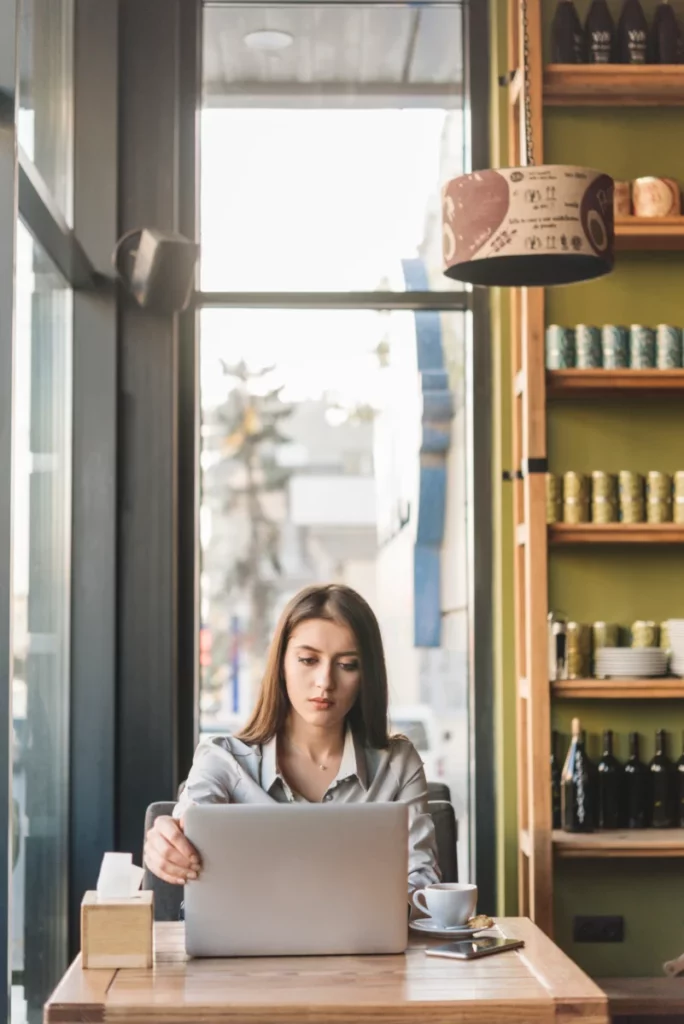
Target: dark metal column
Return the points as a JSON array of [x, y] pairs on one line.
[[8, 223], [483, 795], [153, 38], [93, 569]]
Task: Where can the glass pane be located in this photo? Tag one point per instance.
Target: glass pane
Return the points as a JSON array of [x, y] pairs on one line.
[[323, 159], [318, 428], [41, 598], [46, 43]]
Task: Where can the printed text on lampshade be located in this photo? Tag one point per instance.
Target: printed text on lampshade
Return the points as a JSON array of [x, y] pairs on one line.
[[528, 226]]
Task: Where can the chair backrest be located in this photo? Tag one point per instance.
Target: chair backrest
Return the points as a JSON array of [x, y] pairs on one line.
[[168, 898]]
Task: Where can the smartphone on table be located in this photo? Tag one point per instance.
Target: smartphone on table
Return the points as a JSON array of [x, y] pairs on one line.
[[473, 949]]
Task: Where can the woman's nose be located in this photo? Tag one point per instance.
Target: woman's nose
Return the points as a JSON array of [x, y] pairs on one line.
[[324, 677]]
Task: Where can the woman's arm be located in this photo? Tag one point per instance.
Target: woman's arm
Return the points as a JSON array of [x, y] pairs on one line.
[[212, 778], [423, 866]]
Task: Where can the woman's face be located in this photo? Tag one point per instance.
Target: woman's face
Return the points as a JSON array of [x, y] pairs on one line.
[[322, 672]]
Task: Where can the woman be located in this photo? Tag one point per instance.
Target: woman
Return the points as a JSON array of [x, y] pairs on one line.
[[318, 733]]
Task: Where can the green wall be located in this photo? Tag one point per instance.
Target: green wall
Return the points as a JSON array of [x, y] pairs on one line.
[[613, 584], [620, 584]]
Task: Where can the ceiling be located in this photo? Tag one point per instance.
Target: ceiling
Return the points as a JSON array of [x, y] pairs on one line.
[[357, 50]]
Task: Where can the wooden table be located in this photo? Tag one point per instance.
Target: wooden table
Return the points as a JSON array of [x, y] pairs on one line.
[[537, 985]]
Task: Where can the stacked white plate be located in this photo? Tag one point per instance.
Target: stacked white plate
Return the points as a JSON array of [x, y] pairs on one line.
[[631, 662], [676, 631]]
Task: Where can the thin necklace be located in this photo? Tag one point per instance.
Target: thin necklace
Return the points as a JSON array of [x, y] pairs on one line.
[[323, 767]]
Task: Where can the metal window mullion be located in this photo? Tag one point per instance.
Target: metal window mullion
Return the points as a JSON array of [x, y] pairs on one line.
[[446, 301], [9, 19]]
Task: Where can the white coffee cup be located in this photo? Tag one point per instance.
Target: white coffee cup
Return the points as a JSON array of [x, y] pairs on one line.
[[447, 903]]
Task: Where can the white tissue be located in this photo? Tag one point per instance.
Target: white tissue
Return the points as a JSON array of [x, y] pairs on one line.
[[119, 878]]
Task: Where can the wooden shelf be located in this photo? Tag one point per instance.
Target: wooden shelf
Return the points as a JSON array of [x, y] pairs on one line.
[[659, 688], [616, 533], [614, 85], [633, 843], [655, 234], [577, 383], [643, 997]]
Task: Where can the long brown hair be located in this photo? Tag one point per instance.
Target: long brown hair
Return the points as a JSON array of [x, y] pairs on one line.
[[337, 603]]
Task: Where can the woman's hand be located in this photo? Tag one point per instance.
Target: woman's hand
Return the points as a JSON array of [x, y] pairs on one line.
[[168, 854]]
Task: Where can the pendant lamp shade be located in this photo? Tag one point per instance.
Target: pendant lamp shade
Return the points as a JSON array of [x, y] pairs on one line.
[[528, 226]]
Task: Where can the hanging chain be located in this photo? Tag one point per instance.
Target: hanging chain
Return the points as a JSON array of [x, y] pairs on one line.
[[529, 138]]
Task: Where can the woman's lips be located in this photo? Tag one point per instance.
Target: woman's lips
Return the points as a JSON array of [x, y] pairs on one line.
[[321, 703]]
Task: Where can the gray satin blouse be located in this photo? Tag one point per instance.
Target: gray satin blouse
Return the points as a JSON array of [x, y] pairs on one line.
[[226, 770]]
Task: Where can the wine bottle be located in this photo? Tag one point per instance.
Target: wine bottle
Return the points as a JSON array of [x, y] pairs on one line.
[[577, 797], [662, 785], [556, 783], [632, 34], [567, 39], [637, 786], [599, 34], [610, 786], [665, 39], [680, 790]]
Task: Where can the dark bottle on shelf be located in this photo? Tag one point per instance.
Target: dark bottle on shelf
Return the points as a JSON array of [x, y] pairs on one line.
[[632, 34], [567, 38], [610, 786], [577, 786], [665, 40], [599, 34], [680, 790], [637, 787], [556, 783], [662, 785]]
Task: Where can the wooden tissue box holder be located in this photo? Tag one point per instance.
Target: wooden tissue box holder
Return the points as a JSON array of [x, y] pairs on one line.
[[117, 933]]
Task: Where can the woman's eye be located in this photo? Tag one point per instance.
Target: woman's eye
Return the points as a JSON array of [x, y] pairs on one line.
[[349, 666], [307, 661]]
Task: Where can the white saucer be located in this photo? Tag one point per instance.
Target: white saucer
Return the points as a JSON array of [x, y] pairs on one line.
[[426, 924]]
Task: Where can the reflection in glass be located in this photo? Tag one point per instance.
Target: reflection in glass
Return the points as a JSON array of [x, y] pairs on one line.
[[45, 124], [41, 598], [322, 161]]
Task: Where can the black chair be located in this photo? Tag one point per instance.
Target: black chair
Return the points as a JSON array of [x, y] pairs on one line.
[[168, 898]]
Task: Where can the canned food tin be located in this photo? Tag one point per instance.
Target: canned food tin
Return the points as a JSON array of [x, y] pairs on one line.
[[578, 648], [560, 347], [603, 485], [658, 498], [615, 346], [631, 486], [604, 503], [658, 486], [554, 498], [575, 485], [644, 633], [632, 504], [589, 353], [665, 635], [668, 347], [576, 510], [632, 512], [679, 483], [642, 347], [605, 634], [622, 198]]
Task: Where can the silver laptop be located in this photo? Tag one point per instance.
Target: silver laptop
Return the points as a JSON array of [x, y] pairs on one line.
[[302, 879]]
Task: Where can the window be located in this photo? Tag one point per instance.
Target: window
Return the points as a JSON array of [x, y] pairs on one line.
[[334, 443], [41, 601], [45, 126]]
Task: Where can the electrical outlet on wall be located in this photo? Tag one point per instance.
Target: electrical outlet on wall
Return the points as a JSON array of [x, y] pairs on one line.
[[598, 929]]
